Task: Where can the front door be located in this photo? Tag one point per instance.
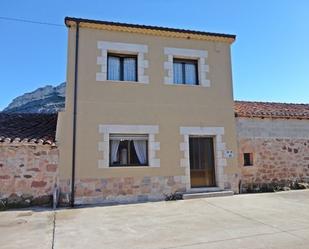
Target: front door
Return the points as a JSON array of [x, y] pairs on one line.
[[202, 168]]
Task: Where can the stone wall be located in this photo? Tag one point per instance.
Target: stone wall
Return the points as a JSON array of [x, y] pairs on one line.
[[280, 150], [28, 173], [122, 189], [275, 159]]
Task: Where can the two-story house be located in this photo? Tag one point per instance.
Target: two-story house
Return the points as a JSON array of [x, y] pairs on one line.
[[149, 112]]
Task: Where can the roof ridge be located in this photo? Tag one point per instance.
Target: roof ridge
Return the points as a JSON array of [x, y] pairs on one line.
[[271, 110], [269, 102]]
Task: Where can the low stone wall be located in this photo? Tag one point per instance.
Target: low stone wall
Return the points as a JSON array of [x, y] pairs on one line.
[[122, 189], [28, 173]]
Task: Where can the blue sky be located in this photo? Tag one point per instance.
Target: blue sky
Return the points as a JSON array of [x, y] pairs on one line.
[[270, 56]]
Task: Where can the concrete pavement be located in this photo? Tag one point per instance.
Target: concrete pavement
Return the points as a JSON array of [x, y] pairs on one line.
[[26, 229], [274, 220]]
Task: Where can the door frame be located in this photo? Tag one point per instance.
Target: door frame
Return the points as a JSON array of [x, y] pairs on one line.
[[219, 147]]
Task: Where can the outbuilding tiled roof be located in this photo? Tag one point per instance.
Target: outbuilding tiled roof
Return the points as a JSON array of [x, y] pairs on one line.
[[28, 128], [271, 110]]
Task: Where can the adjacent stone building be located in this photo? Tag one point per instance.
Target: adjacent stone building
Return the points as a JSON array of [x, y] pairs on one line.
[[273, 142], [29, 159]]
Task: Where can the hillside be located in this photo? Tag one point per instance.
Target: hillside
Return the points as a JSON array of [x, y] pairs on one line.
[[46, 99]]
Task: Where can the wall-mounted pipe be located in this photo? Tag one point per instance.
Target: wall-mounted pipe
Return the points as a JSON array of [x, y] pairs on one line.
[[74, 116]]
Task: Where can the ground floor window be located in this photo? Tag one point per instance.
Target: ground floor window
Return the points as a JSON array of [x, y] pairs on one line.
[[128, 150]]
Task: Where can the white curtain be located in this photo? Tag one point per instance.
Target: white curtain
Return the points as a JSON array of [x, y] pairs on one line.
[[113, 72], [190, 74], [114, 150], [178, 79], [129, 69], [140, 148]]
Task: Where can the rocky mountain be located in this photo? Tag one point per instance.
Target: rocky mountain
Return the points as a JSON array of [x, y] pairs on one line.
[[47, 99]]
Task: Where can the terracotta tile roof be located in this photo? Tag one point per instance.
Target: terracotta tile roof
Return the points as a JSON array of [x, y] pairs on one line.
[[28, 128], [271, 110]]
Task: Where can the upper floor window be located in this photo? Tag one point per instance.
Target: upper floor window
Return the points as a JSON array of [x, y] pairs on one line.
[[122, 67], [186, 66], [185, 72], [128, 150]]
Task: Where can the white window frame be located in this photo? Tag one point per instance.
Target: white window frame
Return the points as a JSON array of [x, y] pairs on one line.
[[153, 145], [123, 48], [190, 54]]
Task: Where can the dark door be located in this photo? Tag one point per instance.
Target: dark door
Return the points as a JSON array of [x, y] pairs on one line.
[[202, 168]]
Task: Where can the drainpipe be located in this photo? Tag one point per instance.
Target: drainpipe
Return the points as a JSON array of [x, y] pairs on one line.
[[74, 115]]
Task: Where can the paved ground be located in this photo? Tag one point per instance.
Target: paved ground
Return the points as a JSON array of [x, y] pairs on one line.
[[277, 220]]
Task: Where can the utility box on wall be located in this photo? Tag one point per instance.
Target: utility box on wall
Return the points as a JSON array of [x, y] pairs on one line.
[[228, 154]]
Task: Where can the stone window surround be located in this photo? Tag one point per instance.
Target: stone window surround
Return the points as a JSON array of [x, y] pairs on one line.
[[153, 145], [219, 145], [123, 48], [199, 55]]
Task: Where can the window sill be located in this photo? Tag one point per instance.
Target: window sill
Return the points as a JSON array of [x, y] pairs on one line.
[[129, 167], [126, 82], [184, 85]]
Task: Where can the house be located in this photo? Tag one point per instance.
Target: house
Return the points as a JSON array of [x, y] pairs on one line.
[[149, 112]]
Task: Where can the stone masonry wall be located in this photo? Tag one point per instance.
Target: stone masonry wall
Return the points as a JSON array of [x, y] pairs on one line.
[[122, 189], [28, 173], [275, 159], [280, 150]]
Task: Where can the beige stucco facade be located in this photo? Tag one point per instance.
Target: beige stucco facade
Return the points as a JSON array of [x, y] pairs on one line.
[[173, 112]]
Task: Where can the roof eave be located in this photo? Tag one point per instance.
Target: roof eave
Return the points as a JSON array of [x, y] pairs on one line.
[[146, 29]]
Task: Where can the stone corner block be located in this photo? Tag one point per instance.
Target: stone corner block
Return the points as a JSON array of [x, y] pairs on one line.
[[155, 163], [102, 164], [100, 76]]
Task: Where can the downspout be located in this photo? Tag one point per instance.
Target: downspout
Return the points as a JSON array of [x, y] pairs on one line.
[[74, 115]]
